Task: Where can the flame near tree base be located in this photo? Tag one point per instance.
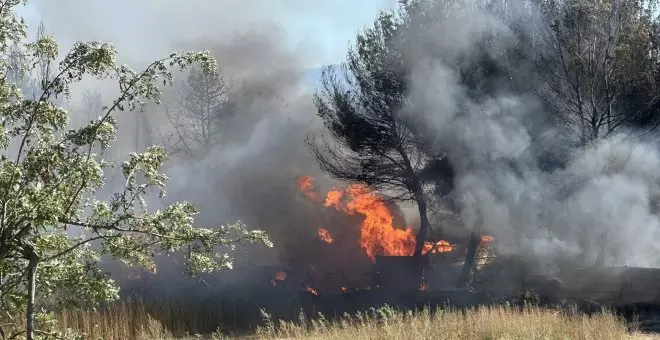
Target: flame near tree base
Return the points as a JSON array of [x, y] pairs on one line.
[[378, 233]]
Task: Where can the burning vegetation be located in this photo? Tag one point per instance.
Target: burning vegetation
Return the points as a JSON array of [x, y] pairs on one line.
[[359, 227], [378, 233]]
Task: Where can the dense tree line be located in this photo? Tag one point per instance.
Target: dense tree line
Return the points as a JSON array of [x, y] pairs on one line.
[[592, 64]]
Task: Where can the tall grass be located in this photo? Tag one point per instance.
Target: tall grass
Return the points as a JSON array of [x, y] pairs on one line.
[[125, 320], [134, 320], [162, 319], [479, 323]]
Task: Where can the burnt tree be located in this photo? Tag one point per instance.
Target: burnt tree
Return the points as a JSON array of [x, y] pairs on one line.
[[600, 66], [372, 139], [205, 101]]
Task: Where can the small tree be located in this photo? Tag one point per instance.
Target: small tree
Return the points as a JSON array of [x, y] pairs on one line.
[[92, 104], [205, 101], [373, 140], [29, 78], [53, 227]]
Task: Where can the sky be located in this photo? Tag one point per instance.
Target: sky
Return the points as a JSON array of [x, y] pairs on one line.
[[318, 30]]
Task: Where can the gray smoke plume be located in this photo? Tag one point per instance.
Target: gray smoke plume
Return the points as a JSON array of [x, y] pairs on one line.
[[600, 208], [253, 177]]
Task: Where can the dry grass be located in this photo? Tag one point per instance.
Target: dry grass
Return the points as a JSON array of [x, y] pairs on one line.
[[169, 319], [480, 323], [131, 321], [126, 320]]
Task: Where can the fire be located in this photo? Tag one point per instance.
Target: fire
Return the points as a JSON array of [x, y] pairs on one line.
[[325, 236], [306, 185], [441, 246], [378, 234], [279, 276], [344, 289], [311, 290], [423, 287], [333, 199], [487, 239]]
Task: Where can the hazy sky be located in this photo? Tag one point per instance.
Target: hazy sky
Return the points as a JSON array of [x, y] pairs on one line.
[[318, 30]]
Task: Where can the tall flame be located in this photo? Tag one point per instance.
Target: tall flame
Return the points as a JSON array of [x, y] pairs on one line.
[[378, 234]]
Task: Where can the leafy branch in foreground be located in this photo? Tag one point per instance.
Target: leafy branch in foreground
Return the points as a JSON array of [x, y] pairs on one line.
[[53, 228]]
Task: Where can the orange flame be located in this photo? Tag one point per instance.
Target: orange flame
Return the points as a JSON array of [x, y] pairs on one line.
[[306, 185], [325, 236], [333, 199], [441, 246], [311, 290], [378, 234], [487, 239]]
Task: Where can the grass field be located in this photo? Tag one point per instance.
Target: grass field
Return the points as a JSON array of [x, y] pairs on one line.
[[130, 321]]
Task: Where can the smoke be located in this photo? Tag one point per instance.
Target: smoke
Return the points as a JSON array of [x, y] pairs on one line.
[[253, 177], [598, 208], [149, 29], [601, 206]]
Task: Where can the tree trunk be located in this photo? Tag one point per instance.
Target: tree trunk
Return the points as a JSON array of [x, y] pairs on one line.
[[469, 260], [423, 224], [32, 286], [418, 193]]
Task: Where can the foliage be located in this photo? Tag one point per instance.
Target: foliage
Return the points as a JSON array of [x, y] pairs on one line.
[[374, 139], [53, 228]]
